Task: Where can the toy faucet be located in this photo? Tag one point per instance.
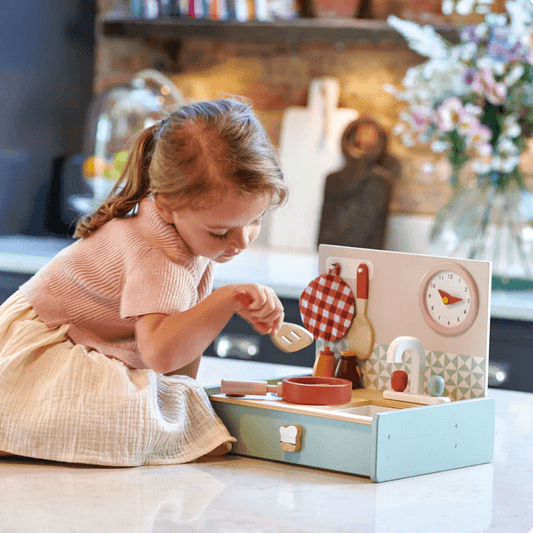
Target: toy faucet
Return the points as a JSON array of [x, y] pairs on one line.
[[418, 361]]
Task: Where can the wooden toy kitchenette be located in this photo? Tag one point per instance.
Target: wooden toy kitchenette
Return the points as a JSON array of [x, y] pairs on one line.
[[418, 327]]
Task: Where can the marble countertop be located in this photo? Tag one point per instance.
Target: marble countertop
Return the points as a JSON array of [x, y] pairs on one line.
[[234, 494], [288, 274]]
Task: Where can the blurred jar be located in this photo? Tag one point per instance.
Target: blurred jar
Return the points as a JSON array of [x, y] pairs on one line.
[[113, 118]]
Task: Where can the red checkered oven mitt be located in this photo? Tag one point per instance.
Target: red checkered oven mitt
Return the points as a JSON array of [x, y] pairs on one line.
[[327, 306]]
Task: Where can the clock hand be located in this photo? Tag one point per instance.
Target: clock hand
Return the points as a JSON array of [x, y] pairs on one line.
[[448, 299]]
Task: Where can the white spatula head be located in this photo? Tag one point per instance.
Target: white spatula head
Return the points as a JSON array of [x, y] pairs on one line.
[[292, 337]]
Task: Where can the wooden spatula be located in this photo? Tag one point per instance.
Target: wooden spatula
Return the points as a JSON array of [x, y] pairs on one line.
[[360, 336], [290, 338]]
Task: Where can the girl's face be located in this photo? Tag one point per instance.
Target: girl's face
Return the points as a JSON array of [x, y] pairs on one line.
[[222, 231]]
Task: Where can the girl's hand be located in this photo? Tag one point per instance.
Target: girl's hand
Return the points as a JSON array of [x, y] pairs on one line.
[[260, 307]]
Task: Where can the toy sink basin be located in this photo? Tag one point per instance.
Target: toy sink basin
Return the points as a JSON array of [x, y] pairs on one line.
[[365, 410]]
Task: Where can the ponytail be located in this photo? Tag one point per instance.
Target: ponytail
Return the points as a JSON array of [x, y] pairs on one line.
[[132, 186]]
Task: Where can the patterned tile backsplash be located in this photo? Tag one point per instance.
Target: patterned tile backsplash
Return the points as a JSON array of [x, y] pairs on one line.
[[464, 376]]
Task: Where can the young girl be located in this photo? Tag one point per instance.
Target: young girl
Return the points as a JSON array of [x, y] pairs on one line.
[[99, 349]]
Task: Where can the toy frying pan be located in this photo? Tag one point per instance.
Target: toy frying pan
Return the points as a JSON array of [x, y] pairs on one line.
[[327, 305], [308, 390]]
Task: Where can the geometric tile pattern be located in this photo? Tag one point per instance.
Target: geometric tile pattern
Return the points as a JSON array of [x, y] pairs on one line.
[[465, 377]]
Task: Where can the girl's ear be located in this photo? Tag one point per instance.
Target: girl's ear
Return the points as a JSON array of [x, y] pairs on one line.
[[163, 211]]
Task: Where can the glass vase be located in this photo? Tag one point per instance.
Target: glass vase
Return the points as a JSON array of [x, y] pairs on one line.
[[488, 218]]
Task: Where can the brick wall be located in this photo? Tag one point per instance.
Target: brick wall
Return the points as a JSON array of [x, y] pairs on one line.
[[276, 75]]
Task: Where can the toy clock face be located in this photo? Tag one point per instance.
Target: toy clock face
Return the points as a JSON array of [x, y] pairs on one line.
[[449, 299]]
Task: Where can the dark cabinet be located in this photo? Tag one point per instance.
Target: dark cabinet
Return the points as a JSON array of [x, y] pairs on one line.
[[511, 354], [9, 283]]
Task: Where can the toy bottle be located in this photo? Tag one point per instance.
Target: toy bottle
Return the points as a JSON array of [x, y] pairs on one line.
[[325, 363], [348, 368]]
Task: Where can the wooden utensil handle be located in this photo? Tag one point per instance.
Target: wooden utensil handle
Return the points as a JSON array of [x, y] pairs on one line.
[[362, 281], [259, 388]]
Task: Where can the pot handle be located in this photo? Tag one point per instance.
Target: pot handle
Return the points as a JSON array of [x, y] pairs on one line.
[[242, 388]]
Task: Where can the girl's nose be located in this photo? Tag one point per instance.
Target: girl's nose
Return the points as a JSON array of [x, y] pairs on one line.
[[241, 238]]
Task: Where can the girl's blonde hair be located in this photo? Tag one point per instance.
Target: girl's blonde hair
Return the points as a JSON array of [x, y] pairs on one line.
[[202, 148]]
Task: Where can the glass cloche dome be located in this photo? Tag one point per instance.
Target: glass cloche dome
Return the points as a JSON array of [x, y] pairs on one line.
[[114, 116]]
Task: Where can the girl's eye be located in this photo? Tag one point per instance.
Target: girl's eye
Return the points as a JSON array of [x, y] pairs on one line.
[[218, 235]]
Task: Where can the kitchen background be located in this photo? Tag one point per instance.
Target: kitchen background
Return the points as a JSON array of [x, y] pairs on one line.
[[276, 75], [56, 58]]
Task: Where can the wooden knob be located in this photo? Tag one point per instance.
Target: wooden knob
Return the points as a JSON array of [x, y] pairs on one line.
[[399, 380]]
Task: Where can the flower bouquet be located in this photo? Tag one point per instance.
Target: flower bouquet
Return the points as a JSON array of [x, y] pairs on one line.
[[473, 102]]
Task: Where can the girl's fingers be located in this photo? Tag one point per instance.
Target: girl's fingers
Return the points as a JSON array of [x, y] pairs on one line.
[[261, 307]]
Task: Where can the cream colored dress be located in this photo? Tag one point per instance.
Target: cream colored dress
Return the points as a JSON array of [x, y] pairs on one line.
[[64, 402]]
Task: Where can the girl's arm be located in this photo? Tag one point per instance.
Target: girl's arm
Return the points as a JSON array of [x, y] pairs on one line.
[[171, 342]]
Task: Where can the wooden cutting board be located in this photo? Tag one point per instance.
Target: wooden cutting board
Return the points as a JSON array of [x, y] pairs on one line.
[[310, 148]]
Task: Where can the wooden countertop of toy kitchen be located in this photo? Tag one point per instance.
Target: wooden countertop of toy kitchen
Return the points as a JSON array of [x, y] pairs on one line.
[[287, 273], [240, 494]]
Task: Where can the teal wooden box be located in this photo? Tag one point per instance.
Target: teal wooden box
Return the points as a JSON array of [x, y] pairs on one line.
[[430, 316], [390, 445]]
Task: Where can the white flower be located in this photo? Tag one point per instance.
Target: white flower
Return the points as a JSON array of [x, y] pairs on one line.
[[513, 131], [498, 68], [468, 51], [510, 120], [514, 75], [398, 128], [484, 149], [404, 115], [440, 146], [504, 164], [449, 114], [467, 123], [408, 140], [506, 146], [494, 19], [508, 165], [480, 167], [422, 39], [520, 17], [447, 7], [484, 63], [482, 30], [496, 163], [464, 7], [390, 89], [471, 109]]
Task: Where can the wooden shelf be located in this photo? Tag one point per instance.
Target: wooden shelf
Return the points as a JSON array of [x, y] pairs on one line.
[[291, 31]]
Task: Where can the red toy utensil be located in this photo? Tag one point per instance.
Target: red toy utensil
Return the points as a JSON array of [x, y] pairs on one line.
[[327, 306], [360, 336]]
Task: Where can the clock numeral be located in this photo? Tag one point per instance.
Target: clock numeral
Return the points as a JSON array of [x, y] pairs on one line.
[[450, 276], [458, 319]]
